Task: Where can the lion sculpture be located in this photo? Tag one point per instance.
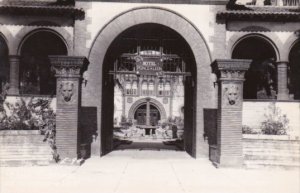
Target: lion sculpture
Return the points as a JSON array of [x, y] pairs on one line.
[[232, 94], [67, 90]]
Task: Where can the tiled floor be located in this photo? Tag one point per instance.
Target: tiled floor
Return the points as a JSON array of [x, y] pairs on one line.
[[147, 171]]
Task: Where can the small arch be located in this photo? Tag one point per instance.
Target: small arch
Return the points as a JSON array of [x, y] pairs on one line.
[[35, 75], [261, 78], [31, 33], [259, 36], [4, 64], [289, 44], [271, 38], [294, 66], [153, 102], [8, 38]]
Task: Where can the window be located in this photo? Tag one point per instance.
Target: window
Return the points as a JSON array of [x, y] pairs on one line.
[[151, 87], [160, 88], [167, 89], [144, 88], [134, 87]]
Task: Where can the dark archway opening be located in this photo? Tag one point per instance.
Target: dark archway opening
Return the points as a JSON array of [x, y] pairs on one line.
[[261, 78], [36, 76], [158, 47], [294, 71], [4, 66]]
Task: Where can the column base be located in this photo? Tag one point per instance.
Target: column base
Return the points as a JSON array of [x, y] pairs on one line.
[[230, 162], [13, 91], [282, 96]]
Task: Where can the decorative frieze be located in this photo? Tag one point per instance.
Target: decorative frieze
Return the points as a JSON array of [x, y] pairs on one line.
[[68, 66]]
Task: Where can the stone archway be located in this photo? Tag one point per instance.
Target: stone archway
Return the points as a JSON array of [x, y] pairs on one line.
[[153, 102], [204, 91]]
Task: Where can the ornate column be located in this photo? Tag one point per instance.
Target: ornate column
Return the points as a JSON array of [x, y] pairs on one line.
[[69, 71], [148, 112], [14, 62], [282, 81], [230, 75]]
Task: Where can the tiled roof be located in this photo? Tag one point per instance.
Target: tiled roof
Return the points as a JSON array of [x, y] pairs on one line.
[[265, 13], [43, 10], [36, 2]]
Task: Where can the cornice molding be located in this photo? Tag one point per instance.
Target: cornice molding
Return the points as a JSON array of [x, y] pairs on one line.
[[69, 66]]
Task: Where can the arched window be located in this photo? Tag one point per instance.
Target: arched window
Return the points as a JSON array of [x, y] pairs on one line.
[[261, 78], [160, 88], [151, 87], [4, 65], [36, 76], [167, 89], [128, 87], [134, 87], [144, 88]]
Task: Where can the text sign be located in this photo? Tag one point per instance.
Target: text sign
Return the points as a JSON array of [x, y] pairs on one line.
[[148, 66]]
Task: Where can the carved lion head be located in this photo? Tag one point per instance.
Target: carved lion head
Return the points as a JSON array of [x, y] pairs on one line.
[[232, 94], [67, 90]]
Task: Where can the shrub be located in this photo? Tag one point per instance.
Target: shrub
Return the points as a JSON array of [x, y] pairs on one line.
[[275, 123], [248, 130]]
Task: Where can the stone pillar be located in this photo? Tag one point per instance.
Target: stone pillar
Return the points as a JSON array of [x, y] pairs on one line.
[[148, 112], [14, 62], [230, 101], [69, 71], [282, 81]]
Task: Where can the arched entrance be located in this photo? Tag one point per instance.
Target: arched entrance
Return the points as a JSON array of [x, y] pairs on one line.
[[294, 71], [141, 115], [261, 78], [36, 76], [150, 64], [99, 87]]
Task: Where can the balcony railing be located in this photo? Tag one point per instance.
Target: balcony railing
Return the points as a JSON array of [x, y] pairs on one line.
[[269, 2]]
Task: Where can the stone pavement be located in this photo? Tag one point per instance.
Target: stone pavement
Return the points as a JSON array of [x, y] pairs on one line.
[[148, 171]]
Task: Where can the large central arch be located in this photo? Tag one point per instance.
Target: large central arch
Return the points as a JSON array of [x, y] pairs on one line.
[[92, 93]]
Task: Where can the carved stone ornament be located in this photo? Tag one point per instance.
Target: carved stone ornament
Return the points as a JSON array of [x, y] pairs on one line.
[[231, 69], [66, 89], [231, 95], [68, 66]]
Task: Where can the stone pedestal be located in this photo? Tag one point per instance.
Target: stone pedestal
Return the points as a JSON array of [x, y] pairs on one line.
[[14, 62], [230, 100], [282, 89], [69, 71]]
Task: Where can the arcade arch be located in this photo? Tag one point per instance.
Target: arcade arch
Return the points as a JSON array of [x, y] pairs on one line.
[[261, 78]]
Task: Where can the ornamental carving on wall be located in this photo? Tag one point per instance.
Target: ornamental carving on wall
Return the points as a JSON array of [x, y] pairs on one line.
[[231, 95], [66, 90], [232, 74]]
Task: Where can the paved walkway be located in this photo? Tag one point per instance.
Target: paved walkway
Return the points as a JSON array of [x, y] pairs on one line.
[[148, 171]]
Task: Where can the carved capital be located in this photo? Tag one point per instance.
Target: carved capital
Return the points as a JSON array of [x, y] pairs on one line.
[[231, 69], [68, 66]]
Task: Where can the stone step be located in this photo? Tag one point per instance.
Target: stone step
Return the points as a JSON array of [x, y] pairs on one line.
[[27, 162], [268, 166], [271, 146], [270, 163], [273, 158], [262, 151]]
